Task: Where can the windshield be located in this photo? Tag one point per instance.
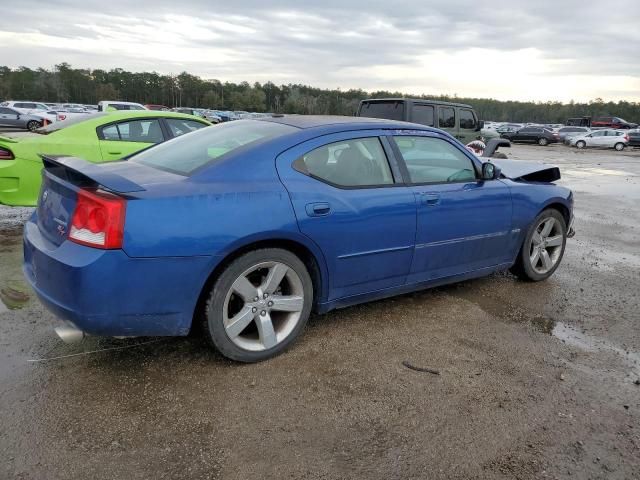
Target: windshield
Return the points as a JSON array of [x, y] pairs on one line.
[[187, 153], [54, 127], [389, 110]]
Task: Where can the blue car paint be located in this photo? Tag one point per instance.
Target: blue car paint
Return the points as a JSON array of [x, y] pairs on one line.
[[179, 229]]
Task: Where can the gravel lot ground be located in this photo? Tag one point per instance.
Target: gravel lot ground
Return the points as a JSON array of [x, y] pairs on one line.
[[537, 380]]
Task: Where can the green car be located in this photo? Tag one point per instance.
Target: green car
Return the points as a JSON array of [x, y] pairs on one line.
[[98, 137]]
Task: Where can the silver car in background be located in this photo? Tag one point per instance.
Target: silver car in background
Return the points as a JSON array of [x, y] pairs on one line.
[[10, 117], [605, 138], [565, 133]]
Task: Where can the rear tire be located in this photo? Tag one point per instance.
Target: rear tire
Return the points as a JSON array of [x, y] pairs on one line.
[[33, 125], [581, 144], [259, 305], [543, 247], [619, 146], [543, 142]]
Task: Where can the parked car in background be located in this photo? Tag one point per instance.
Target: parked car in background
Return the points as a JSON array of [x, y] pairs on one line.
[[607, 138], [111, 105], [183, 225], [10, 117], [458, 119], [63, 114], [212, 116], [565, 133], [611, 122], [579, 122], [97, 137], [162, 108], [634, 138], [32, 108], [540, 135]]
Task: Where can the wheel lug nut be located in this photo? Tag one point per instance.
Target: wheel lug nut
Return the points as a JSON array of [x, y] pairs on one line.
[[263, 313], [270, 304], [254, 309], [265, 295], [256, 299]]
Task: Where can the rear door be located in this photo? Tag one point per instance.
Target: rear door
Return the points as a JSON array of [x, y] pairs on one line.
[[447, 120], [120, 139], [348, 199], [463, 223], [598, 139], [10, 117]]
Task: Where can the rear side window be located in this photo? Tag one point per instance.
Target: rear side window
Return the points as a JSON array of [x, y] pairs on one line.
[[423, 114], [388, 110], [432, 160], [447, 117], [467, 119], [185, 154], [144, 131], [180, 126], [359, 162]]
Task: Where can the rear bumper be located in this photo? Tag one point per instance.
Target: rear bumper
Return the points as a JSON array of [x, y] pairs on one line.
[[105, 292]]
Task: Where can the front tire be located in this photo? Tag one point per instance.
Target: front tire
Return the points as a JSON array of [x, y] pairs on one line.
[[619, 146], [543, 247], [259, 305], [543, 142], [33, 125], [581, 144]]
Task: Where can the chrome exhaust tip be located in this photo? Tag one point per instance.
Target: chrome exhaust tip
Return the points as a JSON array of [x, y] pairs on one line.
[[69, 333]]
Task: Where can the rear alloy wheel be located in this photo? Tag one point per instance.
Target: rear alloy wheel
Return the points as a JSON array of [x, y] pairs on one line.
[[619, 146], [581, 144], [259, 305], [543, 142], [543, 247], [33, 125]]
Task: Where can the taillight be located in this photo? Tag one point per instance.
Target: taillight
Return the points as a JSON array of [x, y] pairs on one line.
[[626, 137], [61, 117], [6, 154], [45, 122], [98, 220]]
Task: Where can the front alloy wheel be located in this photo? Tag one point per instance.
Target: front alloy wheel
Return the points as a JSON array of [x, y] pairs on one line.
[[543, 142], [581, 144], [259, 305], [543, 247], [33, 125]]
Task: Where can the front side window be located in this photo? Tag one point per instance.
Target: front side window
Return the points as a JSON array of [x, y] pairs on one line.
[[598, 134], [432, 160], [180, 126], [467, 119], [447, 117], [358, 162], [423, 114]]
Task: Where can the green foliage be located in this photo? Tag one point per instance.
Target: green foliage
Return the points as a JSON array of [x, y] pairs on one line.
[[67, 84]]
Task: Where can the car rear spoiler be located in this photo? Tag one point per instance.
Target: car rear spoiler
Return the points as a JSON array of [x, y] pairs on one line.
[[78, 170]]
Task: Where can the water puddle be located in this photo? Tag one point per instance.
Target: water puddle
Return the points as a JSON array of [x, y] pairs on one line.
[[14, 296]]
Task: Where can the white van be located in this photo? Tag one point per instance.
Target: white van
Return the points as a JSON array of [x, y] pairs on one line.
[[110, 105]]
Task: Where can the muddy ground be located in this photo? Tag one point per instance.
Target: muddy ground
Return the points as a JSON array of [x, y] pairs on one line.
[[536, 380]]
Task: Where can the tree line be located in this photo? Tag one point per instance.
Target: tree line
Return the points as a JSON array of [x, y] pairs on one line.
[[65, 84]]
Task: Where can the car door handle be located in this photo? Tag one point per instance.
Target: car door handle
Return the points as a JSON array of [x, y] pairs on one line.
[[319, 209], [430, 199]]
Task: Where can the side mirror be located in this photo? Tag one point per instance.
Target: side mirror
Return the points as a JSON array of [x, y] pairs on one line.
[[490, 171]]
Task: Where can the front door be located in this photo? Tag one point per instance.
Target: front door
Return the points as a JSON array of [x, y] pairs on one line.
[[9, 117], [464, 224], [348, 200]]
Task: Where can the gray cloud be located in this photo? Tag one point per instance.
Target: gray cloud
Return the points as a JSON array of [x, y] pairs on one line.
[[335, 43]]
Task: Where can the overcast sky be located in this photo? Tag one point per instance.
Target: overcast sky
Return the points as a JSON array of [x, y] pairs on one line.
[[531, 50]]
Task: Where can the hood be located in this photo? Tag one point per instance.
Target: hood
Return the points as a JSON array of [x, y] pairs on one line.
[[527, 171]]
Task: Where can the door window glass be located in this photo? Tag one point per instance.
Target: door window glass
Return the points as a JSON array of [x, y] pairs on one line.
[[146, 131], [423, 114], [467, 119], [357, 162], [432, 160], [180, 126], [447, 118]]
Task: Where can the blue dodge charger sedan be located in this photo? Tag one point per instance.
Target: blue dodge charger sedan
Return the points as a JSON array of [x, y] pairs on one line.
[[250, 226]]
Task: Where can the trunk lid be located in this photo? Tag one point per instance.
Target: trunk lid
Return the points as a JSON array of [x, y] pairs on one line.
[[63, 177]]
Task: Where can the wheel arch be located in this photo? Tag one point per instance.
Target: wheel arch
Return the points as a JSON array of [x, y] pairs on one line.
[[303, 248], [559, 206]]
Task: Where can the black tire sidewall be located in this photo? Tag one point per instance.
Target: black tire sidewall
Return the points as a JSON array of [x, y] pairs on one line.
[[214, 320], [524, 268]]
